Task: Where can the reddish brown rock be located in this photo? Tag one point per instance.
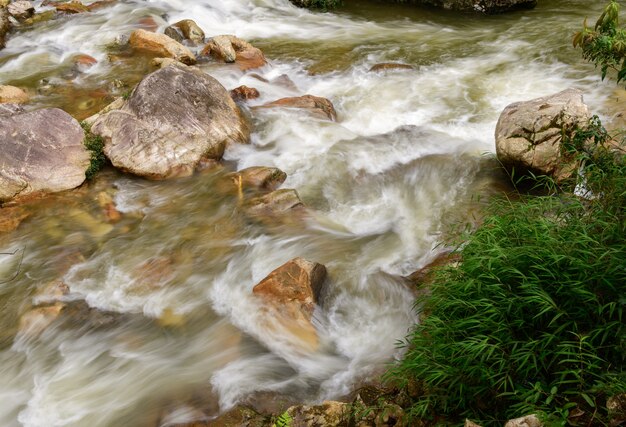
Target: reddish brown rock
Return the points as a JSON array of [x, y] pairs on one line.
[[148, 23], [298, 281], [386, 66], [316, 106], [425, 275], [161, 45], [70, 7], [84, 62], [244, 93], [11, 218]]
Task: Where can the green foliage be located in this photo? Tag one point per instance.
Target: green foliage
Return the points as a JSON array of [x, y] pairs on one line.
[[126, 95], [318, 4], [284, 420], [605, 44], [532, 321], [95, 145]]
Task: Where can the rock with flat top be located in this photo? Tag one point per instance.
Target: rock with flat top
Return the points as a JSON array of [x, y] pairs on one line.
[[41, 151], [161, 45], [229, 48], [329, 413], [275, 203], [530, 135], [316, 106], [175, 117]]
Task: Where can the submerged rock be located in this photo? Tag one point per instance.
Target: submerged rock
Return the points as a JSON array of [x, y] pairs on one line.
[[40, 151], [12, 95], [316, 106], [186, 29], [530, 135], [483, 6], [386, 66], [229, 48], [11, 218], [161, 45], [260, 177], [276, 202], [174, 118]]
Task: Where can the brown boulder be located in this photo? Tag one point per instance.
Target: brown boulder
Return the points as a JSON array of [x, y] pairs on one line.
[[12, 95], [316, 106], [298, 281], [186, 29], [244, 93], [70, 7], [175, 117], [41, 151], [161, 45], [530, 135], [229, 48]]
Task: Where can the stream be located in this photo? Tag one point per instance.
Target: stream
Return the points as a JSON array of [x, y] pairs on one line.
[[165, 328]]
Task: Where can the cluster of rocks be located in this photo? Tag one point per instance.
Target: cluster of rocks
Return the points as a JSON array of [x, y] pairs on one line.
[[481, 6]]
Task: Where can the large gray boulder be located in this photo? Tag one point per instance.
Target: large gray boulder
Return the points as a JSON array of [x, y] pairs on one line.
[[175, 118], [530, 134], [483, 6], [41, 151]]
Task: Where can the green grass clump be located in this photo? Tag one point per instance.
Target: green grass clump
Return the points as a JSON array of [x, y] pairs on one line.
[[95, 145], [532, 321]]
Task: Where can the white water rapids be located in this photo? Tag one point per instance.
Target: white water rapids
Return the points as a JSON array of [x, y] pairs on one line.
[[380, 195]]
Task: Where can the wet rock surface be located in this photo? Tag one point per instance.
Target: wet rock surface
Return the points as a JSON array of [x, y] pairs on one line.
[[229, 48], [174, 118], [161, 45], [40, 151], [482, 6], [316, 106]]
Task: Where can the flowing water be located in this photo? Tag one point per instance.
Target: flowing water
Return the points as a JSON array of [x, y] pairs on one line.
[[165, 327]]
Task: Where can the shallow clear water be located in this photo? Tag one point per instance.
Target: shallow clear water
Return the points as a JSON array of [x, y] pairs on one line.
[[183, 337]]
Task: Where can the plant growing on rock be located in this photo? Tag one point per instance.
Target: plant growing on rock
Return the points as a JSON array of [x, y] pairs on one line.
[[95, 145]]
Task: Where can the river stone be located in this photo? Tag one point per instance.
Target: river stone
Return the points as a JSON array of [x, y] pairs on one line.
[[290, 294], [262, 177], [316, 106], [5, 26], [386, 66], [229, 48], [274, 203], [529, 135], [329, 413], [40, 151], [186, 29], [174, 118], [483, 6], [21, 9], [12, 95], [297, 280], [161, 45], [527, 421], [243, 93]]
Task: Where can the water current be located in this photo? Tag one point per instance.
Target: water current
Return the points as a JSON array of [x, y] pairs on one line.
[[165, 326]]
